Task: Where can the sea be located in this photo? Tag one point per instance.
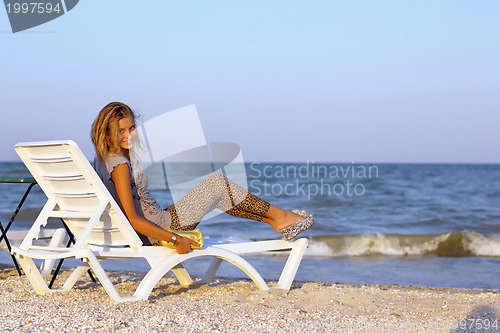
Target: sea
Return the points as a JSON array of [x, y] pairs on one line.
[[432, 225]]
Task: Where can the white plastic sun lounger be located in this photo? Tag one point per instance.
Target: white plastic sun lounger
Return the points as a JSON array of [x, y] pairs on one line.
[[77, 195]]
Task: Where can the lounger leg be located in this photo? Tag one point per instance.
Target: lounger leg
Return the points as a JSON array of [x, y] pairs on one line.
[[38, 281], [33, 275], [182, 275], [104, 279], [56, 241], [166, 264], [209, 275], [75, 276], [292, 264], [159, 267], [179, 271], [248, 269]]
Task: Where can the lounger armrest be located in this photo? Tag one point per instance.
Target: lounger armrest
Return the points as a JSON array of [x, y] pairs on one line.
[[260, 246]]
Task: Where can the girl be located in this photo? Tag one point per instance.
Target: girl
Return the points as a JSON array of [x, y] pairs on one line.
[[112, 134]]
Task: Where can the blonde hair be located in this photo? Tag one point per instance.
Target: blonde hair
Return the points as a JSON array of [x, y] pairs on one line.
[[101, 131]]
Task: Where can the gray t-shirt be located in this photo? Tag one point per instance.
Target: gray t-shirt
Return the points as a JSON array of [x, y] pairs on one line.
[[144, 203]]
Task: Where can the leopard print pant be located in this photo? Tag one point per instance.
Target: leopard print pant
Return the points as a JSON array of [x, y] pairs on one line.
[[215, 191]]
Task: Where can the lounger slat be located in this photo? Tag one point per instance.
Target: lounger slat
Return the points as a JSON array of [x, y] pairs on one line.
[[51, 160], [75, 195], [64, 178], [66, 214]]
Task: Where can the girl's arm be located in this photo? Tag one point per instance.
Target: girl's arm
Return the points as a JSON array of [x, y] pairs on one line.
[[121, 177]]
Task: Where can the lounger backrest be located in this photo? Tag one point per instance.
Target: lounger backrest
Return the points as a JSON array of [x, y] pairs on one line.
[[76, 194]]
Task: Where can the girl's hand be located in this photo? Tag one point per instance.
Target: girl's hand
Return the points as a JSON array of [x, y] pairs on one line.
[[183, 244]]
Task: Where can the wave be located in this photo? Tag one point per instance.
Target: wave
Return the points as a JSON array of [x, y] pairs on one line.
[[450, 244]]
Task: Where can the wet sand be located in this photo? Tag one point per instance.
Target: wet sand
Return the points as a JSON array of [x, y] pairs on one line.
[[236, 305]]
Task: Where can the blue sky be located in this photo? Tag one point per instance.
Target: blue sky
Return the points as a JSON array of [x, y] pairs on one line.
[[334, 81]]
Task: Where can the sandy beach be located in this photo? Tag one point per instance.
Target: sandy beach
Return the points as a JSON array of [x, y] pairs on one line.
[[230, 305]]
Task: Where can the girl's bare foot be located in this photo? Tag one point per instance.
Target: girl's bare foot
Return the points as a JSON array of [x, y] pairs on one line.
[[279, 219]]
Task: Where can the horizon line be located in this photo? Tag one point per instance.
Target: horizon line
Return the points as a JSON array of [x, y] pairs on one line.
[[345, 162]]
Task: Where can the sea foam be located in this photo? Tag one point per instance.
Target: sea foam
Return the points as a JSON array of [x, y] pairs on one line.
[[450, 244]]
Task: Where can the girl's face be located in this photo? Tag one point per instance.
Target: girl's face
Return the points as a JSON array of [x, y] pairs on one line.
[[126, 132]]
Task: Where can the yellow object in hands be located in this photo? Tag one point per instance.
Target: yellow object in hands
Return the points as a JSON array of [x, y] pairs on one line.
[[194, 235]]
